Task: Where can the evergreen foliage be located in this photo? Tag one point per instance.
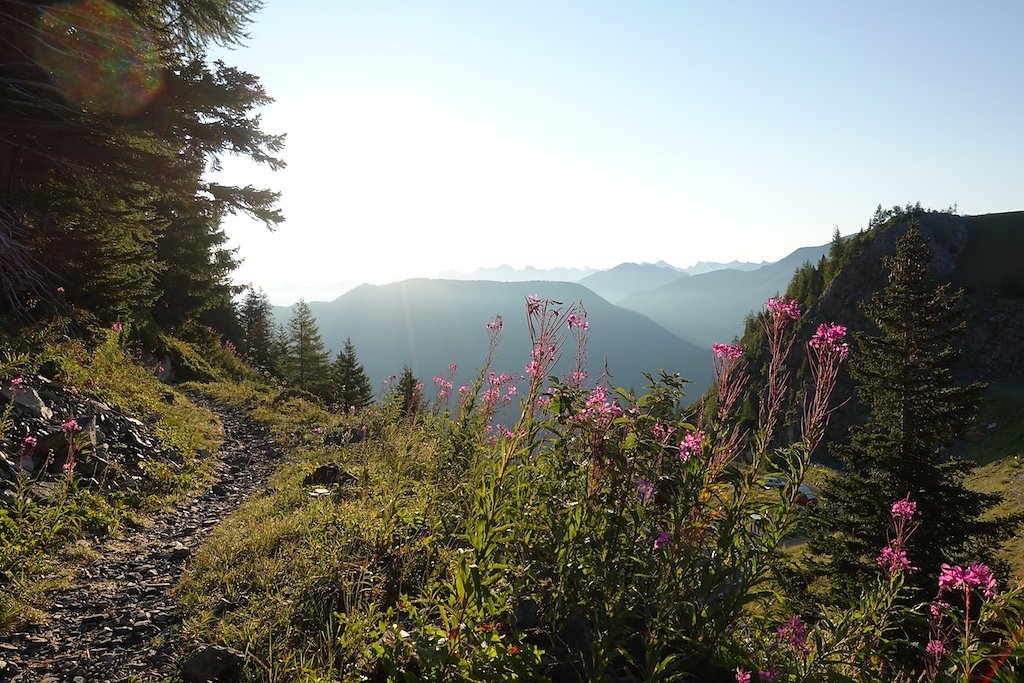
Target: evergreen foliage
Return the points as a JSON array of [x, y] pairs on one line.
[[307, 363], [409, 393], [350, 384], [256, 318], [905, 375], [111, 116]]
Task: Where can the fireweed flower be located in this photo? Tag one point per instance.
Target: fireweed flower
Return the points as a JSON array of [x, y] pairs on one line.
[[935, 648], [951, 578], [727, 351], [29, 442], [495, 324], [827, 338], [577, 321], [71, 426], [894, 560], [117, 327], [784, 308], [793, 632], [691, 445], [662, 540], [645, 489], [904, 509], [742, 676], [981, 576]]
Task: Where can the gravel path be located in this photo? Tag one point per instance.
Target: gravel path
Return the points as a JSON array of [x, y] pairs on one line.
[[117, 623]]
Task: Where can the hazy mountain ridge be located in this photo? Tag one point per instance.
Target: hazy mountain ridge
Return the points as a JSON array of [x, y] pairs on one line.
[[710, 307], [429, 324]]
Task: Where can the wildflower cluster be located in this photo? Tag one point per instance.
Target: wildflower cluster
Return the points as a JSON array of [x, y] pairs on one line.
[[893, 557], [828, 338], [691, 445], [728, 351]]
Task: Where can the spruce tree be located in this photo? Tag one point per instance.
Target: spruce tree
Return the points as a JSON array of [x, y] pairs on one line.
[[308, 365], [256, 318], [409, 393], [917, 408], [351, 386]]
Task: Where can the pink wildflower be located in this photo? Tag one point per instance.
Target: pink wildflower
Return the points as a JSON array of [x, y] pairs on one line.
[[904, 509], [981, 576], [794, 632], [452, 368], [17, 382], [895, 560], [532, 304], [495, 324], [828, 338], [951, 578], [784, 308], [937, 607], [742, 676], [692, 445], [728, 351], [71, 426], [117, 327], [577, 321], [645, 489], [936, 648], [60, 290], [30, 442]]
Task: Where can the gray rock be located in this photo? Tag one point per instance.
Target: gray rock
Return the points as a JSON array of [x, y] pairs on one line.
[[27, 401], [213, 664]]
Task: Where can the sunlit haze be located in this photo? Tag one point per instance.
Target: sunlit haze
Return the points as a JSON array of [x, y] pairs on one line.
[[427, 137]]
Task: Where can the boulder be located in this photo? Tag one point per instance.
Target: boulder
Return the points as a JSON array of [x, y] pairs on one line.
[[213, 664], [27, 401]]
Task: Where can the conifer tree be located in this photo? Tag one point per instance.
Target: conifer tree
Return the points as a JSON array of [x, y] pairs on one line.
[[256, 318], [409, 393], [351, 386], [308, 365], [905, 376]]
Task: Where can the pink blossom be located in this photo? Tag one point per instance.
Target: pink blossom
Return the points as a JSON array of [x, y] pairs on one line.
[[936, 648], [495, 324], [895, 560], [117, 327], [577, 321], [692, 445], [318, 430], [951, 578], [71, 426], [60, 290], [827, 338], [742, 676], [904, 509], [980, 575], [16, 384], [645, 489], [784, 307], [937, 607], [30, 442], [728, 351], [794, 632], [532, 304], [452, 368]]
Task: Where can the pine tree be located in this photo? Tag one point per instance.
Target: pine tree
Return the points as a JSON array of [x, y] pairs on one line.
[[350, 385], [308, 366], [256, 317], [905, 376], [409, 393]]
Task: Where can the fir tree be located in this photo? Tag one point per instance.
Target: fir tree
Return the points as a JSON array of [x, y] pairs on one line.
[[350, 385], [307, 366], [256, 318], [905, 377], [409, 393]]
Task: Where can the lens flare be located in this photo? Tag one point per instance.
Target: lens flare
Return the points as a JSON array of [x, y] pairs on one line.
[[98, 56]]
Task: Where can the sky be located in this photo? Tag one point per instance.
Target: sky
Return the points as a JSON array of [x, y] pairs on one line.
[[424, 137]]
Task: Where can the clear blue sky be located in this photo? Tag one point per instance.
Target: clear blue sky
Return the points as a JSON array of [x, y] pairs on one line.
[[426, 136]]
